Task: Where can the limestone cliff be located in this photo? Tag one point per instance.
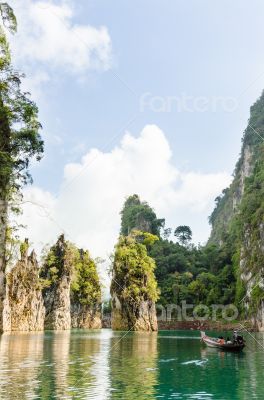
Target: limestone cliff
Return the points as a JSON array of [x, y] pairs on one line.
[[56, 276], [239, 218], [133, 316], [85, 317], [138, 215], [72, 291], [134, 287], [24, 306], [227, 204], [85, 293]]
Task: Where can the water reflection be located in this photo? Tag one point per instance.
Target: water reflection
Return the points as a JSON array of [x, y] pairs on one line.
[[75, 366], [20, 359], [223, 374], [106, 365], [133, 366], [89, 369], [60, 355], [252, 373]]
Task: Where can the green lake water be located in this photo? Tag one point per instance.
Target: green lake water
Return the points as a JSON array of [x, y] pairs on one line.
[[118, 365]]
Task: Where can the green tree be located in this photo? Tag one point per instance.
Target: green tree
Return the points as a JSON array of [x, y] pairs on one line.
[[60, 260], [140, 216], [19, 135], [85, 285], [166, 233], [133, 278], [198, 290], [184, 234], [133, 271], [192, 273], [64, 258]]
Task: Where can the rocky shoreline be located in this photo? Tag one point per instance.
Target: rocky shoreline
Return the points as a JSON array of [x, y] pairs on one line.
[[194, 325]]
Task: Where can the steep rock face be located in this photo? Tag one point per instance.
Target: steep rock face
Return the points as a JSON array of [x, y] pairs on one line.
[[251, 242], [57, 272], [141, 317], [258, 318], [246, 168], [239, 215], [134, 287], [24, 306], [228, 202], [72, 291], [85, 293], [86, 317], [6, 327], [57, 304]]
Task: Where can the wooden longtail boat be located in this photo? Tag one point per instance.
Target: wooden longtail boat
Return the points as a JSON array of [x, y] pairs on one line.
[[214, 342]]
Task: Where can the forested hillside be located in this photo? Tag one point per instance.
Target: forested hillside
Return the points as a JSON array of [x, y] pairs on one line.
[[183, 271], [238, 218]]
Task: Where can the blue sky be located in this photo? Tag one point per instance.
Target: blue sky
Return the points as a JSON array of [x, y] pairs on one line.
[[158, 49]]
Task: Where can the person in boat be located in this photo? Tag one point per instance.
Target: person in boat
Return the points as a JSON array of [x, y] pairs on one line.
[[240, 339], [221, 340], [228, 341], [237, 338]]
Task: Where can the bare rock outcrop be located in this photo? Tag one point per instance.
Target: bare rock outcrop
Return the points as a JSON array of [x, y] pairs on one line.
[[85, 317], [24, 306], [140, 317], [56, 275], [57, 304]]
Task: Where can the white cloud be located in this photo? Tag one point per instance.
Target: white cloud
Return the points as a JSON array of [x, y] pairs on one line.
[[34, 82], [47, 36], [93, 191]]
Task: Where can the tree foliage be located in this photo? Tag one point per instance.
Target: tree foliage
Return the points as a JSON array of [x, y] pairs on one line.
[[191, 273], [8, 17], [137, 214], [19, 125], [194, 274], [183, 233], [60, 260], [65, 259], [19, 138], [237, 220], [85, 286], [133, 271]]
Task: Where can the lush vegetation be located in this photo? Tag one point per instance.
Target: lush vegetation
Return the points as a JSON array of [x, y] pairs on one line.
[[251, 217], [147, 263], [183, 271], [238, 218], [195, 274], [65, 259], [139, 215], [19, 136], [59, 261], [227, 204], [133, 277], [19, 126], [85, 286], [184, 234]]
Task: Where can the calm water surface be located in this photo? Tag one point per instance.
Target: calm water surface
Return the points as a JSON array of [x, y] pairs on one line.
[[108, 365]]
